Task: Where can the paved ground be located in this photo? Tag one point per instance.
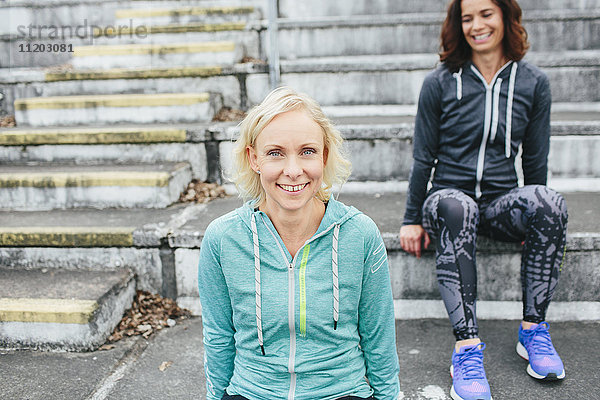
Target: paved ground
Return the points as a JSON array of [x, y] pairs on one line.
[[131, 370]]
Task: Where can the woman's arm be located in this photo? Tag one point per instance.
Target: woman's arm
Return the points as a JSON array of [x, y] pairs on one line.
[[376, 322], [425, 146], [536, 143], [217, 316]]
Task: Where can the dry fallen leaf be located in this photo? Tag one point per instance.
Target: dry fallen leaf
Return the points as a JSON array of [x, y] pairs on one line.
[[165, 365], [201, 192], [148, 313]]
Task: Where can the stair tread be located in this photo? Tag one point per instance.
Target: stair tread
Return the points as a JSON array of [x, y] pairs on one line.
[[58, 284]]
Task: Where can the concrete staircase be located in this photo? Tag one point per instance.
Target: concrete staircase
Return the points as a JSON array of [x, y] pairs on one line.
[[109, 134], [105, 144]]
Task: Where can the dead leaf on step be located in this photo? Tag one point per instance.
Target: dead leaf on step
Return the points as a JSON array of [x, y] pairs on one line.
[[165, 365], [107, 347]]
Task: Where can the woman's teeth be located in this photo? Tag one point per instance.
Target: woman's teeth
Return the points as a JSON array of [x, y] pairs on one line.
[[293, 188]]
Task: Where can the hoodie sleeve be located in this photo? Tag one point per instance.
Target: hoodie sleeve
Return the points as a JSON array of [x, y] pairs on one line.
[[536, 143], [217, 315], [425, 145], [376, 322]]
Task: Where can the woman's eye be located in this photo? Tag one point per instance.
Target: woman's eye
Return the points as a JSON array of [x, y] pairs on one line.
[[308, 152], [466, 20], [274, 153]]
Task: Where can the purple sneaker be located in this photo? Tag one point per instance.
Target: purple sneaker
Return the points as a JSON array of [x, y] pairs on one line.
[[536, 346], [468, 376]]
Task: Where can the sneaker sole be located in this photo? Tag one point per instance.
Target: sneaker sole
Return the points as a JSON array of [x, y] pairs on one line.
[[453, 394], [522, 352]]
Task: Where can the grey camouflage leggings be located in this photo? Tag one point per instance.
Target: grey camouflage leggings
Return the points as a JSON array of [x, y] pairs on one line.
[[533, 214]]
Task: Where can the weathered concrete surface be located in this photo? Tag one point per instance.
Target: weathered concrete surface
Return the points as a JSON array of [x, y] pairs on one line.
[[112, 109], [55, 186], [317, 8], [415, 279], [419, 33], [161, 55], [117, 154], [424, 349], [396, 79], [35, 324], [245, 35]]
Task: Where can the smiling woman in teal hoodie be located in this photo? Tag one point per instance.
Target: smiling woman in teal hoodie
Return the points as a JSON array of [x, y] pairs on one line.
[[295, 287]]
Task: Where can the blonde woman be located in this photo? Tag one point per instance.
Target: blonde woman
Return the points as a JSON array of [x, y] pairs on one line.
[[295, 289]]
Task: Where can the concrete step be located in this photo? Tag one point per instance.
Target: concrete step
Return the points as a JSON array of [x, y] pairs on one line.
[[87, 13], [228, 81], [97, 240], [387, 139], [26, 50], [372, 132], [184, 15], [61, 310], [156, 55], [317, 8], [111, 109], [414, 281], [549, 30], [161, 247], [397, 79], [49, 185], [116, 145]]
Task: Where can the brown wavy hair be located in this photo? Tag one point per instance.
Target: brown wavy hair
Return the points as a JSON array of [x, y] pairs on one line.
[[455, 49]]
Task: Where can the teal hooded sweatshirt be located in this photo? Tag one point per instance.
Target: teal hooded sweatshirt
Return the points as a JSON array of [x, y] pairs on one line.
[[315, 325]]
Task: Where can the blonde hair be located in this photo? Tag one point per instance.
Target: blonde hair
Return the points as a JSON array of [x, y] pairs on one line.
[[283, 99]]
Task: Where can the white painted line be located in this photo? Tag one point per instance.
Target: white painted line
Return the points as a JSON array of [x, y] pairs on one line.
[[504, 310], [108, 384]]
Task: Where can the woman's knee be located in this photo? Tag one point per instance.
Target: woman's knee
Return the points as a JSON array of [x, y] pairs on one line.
[[548, 202], [459, 212]]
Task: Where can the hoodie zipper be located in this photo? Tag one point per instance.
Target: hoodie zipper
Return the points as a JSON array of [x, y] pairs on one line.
[[291, 304], [486, 124]]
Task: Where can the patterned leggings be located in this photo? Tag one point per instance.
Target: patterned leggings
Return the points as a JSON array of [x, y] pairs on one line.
[[533, 214]]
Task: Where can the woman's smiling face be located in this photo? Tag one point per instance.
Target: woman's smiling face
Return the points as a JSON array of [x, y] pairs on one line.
[[290, 154], [482, 25]]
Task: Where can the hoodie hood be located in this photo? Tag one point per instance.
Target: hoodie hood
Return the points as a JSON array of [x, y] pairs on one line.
[[335, 213]]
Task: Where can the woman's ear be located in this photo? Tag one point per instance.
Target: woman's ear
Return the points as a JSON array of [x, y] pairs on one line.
[[252, 158], [325, 155]]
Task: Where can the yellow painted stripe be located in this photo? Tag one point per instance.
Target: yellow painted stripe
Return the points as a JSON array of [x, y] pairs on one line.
[[62, 311], [134, 73], [91, 136], [66, 236], [112, 100], [302, 274], [133, 49], [83, 179], [160, 12], [172, 28]]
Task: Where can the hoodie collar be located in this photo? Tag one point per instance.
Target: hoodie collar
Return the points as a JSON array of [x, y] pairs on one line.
[[336, 213]]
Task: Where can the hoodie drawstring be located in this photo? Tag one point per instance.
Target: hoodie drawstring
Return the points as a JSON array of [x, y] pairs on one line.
[[257, 292], [509, 105], [334, 266], [458, 77], [257, 284]]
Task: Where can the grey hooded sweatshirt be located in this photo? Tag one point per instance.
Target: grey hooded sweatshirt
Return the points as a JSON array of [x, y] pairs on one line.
[[470, 131]]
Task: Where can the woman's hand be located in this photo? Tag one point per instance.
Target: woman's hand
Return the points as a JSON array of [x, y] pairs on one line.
[[411, 237]]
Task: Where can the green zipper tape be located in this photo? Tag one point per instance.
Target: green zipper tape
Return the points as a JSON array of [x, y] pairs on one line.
[[303, 290]]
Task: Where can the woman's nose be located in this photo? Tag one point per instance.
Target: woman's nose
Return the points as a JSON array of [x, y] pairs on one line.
[[477, 23], [293, 169]]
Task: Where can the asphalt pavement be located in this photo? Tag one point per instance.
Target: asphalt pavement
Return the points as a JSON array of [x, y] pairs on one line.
[[169, 365]]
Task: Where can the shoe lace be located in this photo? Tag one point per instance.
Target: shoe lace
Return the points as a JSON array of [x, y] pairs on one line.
[[471, 362], [541, 342]]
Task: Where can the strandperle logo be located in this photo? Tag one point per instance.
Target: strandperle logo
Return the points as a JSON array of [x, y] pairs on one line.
[[83, 31]]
